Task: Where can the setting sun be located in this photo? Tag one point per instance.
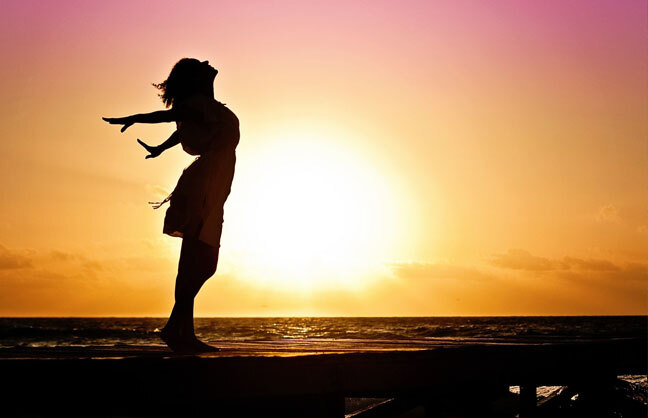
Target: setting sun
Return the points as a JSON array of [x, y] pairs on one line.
[[312, 213]]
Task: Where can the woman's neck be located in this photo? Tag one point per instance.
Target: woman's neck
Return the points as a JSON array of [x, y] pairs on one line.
[[209, 89]]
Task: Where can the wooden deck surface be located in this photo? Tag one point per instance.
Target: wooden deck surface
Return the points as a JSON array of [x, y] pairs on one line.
[[152, 380]]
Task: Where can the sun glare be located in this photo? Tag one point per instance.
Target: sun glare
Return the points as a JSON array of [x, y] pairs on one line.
[[310, 213]]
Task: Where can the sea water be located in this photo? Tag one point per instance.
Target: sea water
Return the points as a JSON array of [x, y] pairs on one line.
[[388, 332]]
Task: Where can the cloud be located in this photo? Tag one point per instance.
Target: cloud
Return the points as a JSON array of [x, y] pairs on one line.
[[423, 270], [57, 263], [633, 217], [149, 264], [13, 259], [63, 256], [77, 260], [522, 260], [21, 269], [570, 266], [608, 213], [518, 259], [637, 268], [590, 265], [92, 266]]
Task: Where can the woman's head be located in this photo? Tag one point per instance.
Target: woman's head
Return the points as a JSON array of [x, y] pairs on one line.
[[189, 76]]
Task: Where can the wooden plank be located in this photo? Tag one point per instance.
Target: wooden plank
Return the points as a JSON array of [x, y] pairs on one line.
[[156, 379], [528, 400]]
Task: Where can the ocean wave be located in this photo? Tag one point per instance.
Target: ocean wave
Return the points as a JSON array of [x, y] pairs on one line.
[[80, 331]]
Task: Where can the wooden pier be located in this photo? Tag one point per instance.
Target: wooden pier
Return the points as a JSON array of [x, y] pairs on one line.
[[249, 380]]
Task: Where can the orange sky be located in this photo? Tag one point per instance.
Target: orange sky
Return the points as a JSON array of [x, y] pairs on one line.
[[396, 158]]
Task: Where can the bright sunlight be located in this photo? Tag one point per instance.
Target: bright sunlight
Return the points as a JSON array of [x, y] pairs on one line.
[[308, 213]]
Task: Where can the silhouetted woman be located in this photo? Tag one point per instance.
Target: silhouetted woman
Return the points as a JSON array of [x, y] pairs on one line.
[[207, 128]]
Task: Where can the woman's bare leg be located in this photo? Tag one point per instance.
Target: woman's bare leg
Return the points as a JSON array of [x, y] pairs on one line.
[[198, 263]]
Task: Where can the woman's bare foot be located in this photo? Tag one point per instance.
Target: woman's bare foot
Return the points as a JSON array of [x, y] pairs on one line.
[[202, 347], [185, 345], [173, 341]]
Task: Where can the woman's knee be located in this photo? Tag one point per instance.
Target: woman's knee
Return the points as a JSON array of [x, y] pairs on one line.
[[210, 259], [210, 270], [198, 272], [198, 262], [187, 289]]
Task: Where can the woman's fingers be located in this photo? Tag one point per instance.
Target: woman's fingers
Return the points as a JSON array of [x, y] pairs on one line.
[[146, 146], [119, 121], [153, 151], [115, 121], [126, 126]]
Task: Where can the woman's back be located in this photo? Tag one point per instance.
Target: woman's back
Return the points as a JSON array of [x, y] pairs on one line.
[[211, 125]]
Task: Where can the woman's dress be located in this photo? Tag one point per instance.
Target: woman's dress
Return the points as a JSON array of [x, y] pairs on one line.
[[196, 203]]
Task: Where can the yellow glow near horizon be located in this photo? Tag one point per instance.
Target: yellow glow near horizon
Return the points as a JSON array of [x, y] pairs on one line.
[[396, 158], [311, 213]]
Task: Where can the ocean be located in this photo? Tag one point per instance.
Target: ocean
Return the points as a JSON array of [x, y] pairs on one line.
[[388, 332]]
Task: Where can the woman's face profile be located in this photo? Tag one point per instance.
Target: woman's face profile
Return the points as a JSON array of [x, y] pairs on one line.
[[209, 70]]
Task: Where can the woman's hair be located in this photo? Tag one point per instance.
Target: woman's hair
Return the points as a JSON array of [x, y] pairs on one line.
[[185, 79]]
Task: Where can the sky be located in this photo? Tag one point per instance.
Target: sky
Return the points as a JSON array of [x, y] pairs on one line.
[[407, 158]]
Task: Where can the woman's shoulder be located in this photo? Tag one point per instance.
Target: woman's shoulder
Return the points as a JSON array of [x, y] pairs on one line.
[[188, 109], [199, 108], [196, 101]]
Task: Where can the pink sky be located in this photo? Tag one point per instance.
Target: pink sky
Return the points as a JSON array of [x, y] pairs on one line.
[[509, 134]]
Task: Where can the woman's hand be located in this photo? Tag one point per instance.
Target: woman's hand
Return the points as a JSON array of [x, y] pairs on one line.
[[126, 121], [153, 151]]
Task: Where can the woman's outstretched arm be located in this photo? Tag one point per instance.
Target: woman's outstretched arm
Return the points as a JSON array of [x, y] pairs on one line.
[[154, 151], [160, 116]]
